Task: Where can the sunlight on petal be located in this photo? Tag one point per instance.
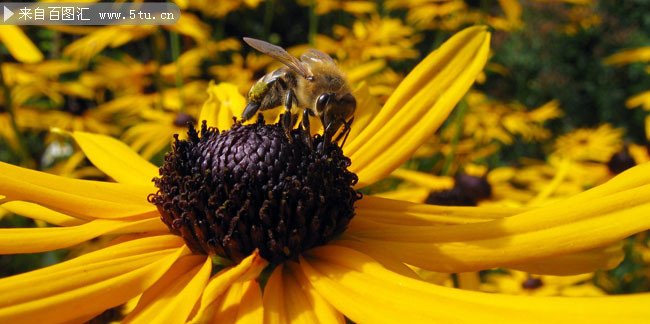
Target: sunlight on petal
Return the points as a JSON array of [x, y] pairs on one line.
[[116, 159], [171, 298], [303, 303], [111, 277], [389, 211], [224, 102], [38, 212], [32, 240], [275, 311], [367, 109], [419, 105], [368, 293], [410, 194], [603, 258], [241, 303], [426, 180], [551, 231], [80, 198], [247, 269]]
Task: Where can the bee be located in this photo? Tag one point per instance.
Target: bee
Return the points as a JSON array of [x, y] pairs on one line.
[[314, 83]]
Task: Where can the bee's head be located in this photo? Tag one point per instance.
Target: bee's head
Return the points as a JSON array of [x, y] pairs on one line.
[[335, 111]]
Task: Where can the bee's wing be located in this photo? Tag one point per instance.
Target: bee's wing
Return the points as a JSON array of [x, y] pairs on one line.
[[316, 56], [281, 55]]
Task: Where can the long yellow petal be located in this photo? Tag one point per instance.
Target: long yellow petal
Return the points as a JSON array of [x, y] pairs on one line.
[[384, 257], [524, 238], [247, 269], [368, 293], [19, 45], [241, 303], [303, 303], [39, 212], [80, 198], [275, 311], [32, 240], [62, 293], [606, 258], [171, 299], [367, 109], [116, 159], [389, 211], [419, 105], [410, 194], [425, 180], [622, 192]]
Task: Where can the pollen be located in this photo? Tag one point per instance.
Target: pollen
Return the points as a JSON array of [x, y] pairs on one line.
[[229, 193]]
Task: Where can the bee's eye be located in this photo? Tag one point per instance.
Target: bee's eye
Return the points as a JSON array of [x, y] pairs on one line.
[[322, 101]]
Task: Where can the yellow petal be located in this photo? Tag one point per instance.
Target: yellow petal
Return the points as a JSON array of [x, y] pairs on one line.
[[171, 299], [367, 109], [224, 102], [384, 257], [116, 159], [398, 212], [32, 240], [111, 276], [250, 308], [425, 180], [38, 212], [242, 303], [275, 311], [557, 229], [419, 105], [641, 54], [410, 194], [19, 45], [602, 258], [79, 198], [247, 269], [368, 293], [303, 304]]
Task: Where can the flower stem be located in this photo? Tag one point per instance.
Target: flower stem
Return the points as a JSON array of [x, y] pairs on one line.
[[268, 17], [458, 121], [157, 52], [313, 23], [176, 51]]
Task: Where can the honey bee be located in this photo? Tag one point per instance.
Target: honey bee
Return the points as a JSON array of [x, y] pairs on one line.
[[314, 83]]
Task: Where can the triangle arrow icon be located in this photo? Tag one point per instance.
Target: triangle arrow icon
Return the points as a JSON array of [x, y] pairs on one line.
[[8, 13]]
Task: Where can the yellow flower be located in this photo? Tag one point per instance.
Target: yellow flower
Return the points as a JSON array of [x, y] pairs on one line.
[[521, 283], [377, 37], [597, 144], [354, 7], [361, 275], [217, 9], [97, 39]]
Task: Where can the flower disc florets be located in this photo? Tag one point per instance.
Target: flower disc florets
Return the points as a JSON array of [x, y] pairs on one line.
[[250, 188]]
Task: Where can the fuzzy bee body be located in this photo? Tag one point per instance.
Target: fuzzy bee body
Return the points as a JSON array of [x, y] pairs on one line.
[[314, 83]]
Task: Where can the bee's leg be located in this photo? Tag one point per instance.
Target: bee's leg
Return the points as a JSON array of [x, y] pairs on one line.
[[287, 122], [346, 131], [326, 136], [305, 127]]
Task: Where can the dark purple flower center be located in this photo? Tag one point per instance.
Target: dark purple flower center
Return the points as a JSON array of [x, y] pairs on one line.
[[229, 193]]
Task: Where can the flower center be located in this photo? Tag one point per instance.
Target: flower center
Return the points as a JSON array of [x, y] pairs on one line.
[[229, 193], [532, 283]]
